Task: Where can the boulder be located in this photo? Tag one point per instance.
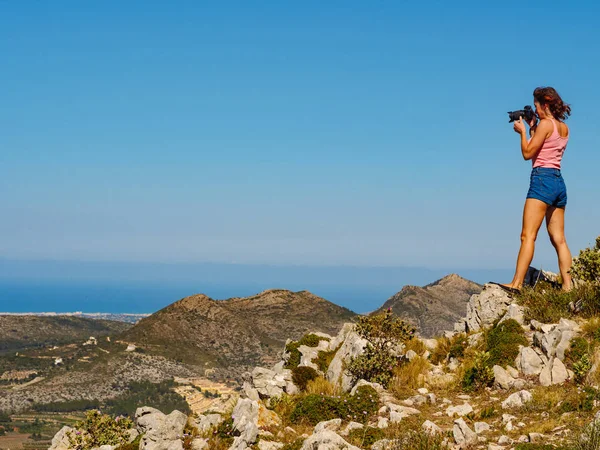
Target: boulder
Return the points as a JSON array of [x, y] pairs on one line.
[[517, 399], [486, 307], [328, 425], [160, 431], [554, 373], [431, 428], [353, 346], [206, 422], [463, 435], [60, 441], [327, 440], [529, 362], [245, 421], [459, 410]]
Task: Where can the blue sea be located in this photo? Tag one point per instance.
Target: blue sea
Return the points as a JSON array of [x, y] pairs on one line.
[[49, 286]]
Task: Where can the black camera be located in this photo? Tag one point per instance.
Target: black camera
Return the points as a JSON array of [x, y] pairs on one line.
[[526, 113]]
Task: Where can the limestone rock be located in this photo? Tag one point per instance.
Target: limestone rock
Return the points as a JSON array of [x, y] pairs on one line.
[[60, 441], [351, 426], [206, 422], [463, 435], [378, 388], [199, 444], [554, 373], [517, 399], [515, 312], [529, 362], [245, 421], [431, 427], [481, 427], [460, 410], [328, 425], [353, 346], [485, 308], [160, 431], [327, 440]]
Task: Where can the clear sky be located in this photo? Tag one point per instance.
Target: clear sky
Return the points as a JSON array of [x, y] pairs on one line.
[[287, 133]]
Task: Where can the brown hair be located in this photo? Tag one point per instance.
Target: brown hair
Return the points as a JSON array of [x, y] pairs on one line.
[[547, 96]]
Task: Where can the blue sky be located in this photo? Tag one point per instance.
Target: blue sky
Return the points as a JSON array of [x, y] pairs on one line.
[[287, 133]]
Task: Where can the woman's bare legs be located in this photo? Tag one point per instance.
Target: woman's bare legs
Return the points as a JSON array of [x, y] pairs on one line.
[[555, 223], [533, 216]]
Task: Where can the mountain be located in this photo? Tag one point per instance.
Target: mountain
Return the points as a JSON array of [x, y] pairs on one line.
[[20, 332], [433, 308], [234, 335]]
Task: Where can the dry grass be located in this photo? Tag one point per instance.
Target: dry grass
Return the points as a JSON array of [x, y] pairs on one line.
[[416, 345], [591, 328], [409, 376], [322, 386]]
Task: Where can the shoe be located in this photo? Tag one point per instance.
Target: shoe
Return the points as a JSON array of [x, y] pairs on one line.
[[508, 289]]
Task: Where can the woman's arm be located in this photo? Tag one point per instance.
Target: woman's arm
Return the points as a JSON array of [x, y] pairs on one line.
[[530, 147]]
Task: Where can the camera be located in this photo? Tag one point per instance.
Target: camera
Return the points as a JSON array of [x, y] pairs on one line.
[[526, 113]]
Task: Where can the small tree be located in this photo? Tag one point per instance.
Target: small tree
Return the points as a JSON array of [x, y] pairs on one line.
[[586, 266], [382, 332], [99, 429]]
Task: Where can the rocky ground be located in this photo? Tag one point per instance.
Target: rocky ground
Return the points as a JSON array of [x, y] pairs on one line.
[[539, 396]]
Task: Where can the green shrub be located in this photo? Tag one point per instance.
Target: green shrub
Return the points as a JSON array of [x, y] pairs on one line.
[[479, 374], [382, 332], [301, 375], [502, 342], [453, 347], [586, 266], [225, 431], [99, 429], [579, 401], [2, 431], [365, 437], [529, 446], [324, 359], [4, 418], [315, 408]]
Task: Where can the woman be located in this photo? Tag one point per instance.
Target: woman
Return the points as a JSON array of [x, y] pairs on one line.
[[547, 196]]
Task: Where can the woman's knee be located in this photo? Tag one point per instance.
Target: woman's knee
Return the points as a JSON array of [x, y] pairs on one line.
[[528, 236], [557, 239]]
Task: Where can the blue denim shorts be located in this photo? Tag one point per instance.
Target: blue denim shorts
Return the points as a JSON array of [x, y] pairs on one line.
[[548, 186]]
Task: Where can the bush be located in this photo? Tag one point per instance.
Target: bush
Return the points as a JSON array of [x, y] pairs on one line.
[[502, 342], [479, 374], [450, 348], [301, 375], [135, 445], [324, 359], [99, 429], [586, 266], [417, 439], [382, 332], [315, 408]]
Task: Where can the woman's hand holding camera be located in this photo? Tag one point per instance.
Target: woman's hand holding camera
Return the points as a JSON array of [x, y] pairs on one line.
[[519, 126]]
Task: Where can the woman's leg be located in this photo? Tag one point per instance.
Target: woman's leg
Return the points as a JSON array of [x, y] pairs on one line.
[[555, 223], [533, 216]]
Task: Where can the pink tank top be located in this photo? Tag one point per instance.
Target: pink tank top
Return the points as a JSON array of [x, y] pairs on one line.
[[553, 148]]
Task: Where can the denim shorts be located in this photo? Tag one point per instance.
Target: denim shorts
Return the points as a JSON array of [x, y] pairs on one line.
[[548, 186]]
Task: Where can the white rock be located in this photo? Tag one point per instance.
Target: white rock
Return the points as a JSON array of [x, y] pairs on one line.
[[351, 426], [327, 440], [463, 435], [431, 427], [529, 362], [329, 425], [481, 427], [460, 410], [517, 399]]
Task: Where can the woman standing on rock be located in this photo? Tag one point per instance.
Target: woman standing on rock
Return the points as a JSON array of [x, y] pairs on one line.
[[547, 196]]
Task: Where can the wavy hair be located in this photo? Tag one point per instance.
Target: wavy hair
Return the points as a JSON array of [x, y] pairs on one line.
[[547, 96]]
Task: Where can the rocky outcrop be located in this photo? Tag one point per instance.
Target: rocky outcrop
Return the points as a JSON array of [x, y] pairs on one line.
[[160, 431]]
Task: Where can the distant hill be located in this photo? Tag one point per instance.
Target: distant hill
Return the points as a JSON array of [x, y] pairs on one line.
[[235, 334], [25, 332], [433, 308]]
